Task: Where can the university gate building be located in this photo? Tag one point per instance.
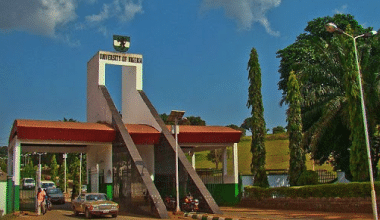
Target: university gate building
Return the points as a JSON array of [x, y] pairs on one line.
[[130, 152]]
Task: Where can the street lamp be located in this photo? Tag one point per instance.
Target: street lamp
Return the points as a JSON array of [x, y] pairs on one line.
[[39, 168], [175, 116], [65, 157], [331, 27]]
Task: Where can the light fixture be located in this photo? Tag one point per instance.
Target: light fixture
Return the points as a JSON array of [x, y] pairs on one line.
[[331, 27], [176, 115]]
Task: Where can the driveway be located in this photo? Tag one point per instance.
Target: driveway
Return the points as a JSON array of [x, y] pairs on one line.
[[64, 212]]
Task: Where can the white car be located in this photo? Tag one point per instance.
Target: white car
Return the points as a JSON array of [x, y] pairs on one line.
[[47, 184], [28, 183]]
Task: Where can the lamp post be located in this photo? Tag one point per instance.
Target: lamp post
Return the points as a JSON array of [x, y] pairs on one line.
[[331, 27], [65, 157], [175, 116], [80, 174], [39, 168]]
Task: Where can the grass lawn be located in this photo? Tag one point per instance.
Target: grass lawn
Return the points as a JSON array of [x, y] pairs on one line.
[[277, 156]]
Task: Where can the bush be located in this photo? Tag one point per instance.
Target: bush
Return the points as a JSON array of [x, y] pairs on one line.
[[308, 177], [342, 190]]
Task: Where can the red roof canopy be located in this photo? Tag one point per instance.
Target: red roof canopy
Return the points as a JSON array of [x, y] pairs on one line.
[[97, 132]]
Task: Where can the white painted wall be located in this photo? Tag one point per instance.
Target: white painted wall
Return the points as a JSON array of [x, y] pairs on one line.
[[3, 195], [100, 155], [147, 154], [134, 109], [97, 109], [234, 176]]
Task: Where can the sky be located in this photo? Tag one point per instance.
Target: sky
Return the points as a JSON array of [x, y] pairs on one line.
[[195, 53]]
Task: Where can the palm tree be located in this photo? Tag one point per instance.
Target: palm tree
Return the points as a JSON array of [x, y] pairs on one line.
[[331, 113]]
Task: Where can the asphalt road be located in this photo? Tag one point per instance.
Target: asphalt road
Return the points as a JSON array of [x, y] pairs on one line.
[[64, 212]]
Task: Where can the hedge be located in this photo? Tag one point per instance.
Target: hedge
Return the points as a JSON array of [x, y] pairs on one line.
[[340, 190]]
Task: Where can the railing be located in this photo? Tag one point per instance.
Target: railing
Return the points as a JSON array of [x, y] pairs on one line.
[[325, 176], [210, 176]]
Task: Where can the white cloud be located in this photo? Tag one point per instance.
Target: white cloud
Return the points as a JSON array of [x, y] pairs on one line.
[[103, 15], [246, 12], [124, 10], [38, 16], [341, 10]]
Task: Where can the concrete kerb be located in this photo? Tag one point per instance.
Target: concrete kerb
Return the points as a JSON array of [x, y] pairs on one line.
[[207, 217]]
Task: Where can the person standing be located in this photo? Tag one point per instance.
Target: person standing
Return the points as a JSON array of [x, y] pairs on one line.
[[40, 199]]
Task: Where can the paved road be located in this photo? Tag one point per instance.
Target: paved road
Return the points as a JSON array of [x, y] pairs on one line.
[[64, 212], [251, 213]]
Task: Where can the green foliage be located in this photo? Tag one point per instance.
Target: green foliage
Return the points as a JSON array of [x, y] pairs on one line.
[[261, 179], [216, 156], [191, 120], [247, 124], [74, 170], [277, 155], [278, 129], [3, 165], [29, 171], [308, 177], [53, 168], [238, 128], [342, 190], [62, 177], [325, 65], [194, 120], [69, 120], [297, 154], [257, 122]]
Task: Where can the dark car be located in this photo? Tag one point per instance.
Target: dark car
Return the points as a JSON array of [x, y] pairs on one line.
[[55, 195], [94, 204]]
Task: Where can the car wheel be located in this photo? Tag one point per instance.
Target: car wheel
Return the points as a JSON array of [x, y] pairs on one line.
[[87, 213], [114, 215], [76, 213]]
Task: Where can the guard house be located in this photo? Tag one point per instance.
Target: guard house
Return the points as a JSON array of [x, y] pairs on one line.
[[130, 155]]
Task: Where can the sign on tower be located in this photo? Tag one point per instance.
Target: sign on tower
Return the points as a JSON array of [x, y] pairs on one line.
[[121, 43]]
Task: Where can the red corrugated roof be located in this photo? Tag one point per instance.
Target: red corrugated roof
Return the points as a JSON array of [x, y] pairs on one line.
[[98, 132]]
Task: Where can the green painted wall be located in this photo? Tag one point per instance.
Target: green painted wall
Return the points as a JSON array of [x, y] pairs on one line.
[[10, 202], [17, 198], [109, 190], [224, 194]]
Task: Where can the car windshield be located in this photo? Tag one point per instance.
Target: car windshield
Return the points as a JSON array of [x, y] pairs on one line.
[[47, 185], [54, 191], [96, 197], [29, 181]]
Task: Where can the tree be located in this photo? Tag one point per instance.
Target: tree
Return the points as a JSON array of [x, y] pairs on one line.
[[62, 177], [247, 124], [325, 66], [278, 129], [29, 171], [257, 125], [53, 168], [216, 156], [3, 165], [237, 128], [191, 120], [297, 154], [74, 170]]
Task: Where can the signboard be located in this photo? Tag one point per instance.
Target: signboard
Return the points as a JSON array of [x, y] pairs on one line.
[[121, 43], [119, 57]]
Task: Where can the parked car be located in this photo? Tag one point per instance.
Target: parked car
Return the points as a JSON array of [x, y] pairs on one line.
[[55, 195], [84, 188], [45, 184], [94, 204], [28, 183]]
